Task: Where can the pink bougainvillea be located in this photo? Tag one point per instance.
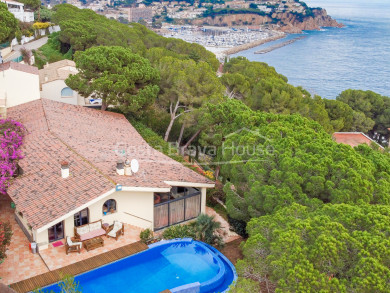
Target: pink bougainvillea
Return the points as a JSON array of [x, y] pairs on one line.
[[11, 139]]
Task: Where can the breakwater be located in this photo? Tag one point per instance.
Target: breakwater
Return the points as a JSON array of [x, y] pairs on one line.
[[277, 46], [250, 45]]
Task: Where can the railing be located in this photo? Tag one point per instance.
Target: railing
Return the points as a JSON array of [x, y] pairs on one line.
[[177, 210], [4, 45], [18, 59]]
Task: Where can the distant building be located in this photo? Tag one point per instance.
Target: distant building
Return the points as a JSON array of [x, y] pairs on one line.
[[135, 14], [353, 139], [19, 84], [52, 83], [17, 9]]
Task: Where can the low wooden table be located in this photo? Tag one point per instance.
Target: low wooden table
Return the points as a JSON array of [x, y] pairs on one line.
[[93, 243]]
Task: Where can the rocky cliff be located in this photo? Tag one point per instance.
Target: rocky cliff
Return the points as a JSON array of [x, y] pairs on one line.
[[286, 21]]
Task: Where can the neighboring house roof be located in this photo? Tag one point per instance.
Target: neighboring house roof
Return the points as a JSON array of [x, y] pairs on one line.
[[87, 139], [353, 138], [57, 71], [19, 67]]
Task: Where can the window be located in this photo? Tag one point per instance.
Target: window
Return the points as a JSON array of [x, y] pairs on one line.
[[66, 92], [109, 207], [81, 218], [56, 232]]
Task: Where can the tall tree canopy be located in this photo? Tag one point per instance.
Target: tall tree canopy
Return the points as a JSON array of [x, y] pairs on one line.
[[276, 160], [83, 28], [261, 88], [31, 4], [185, 85], [337, 248], [8, 24], [372, 105], [117, 76]]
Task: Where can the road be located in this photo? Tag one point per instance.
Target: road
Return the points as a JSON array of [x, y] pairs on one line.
[[30, 46]]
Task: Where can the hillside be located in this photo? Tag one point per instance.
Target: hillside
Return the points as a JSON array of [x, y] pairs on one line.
[[291, 18]]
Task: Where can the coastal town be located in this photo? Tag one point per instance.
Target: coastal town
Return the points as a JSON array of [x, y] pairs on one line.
[[190, 21]]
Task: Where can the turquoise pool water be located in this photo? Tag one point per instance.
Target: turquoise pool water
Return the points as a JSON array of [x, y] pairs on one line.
[[165, 265]]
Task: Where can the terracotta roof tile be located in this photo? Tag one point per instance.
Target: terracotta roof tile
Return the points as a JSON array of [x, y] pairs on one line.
[[57, 71], [89, 140], [353, 138], [19, 67]]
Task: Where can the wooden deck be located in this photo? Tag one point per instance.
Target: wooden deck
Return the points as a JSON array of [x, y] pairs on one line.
[[77, 268]]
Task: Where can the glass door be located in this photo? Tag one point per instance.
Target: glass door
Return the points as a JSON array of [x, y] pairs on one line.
[[81, 218], [56, 232]]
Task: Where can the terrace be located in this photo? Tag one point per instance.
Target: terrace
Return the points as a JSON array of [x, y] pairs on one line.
[[21, 264], [179, 205]]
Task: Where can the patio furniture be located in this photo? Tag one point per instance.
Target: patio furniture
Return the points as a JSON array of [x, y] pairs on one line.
[[106, 226], [89, 231], [93, 243], [71, 246], [117, 229]]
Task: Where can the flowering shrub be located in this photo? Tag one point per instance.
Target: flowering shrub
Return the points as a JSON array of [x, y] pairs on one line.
[[41, 25], [209, 174], [11, 139], [5, 238]]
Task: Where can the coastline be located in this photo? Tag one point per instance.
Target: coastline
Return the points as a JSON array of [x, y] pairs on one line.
[[250, 45]]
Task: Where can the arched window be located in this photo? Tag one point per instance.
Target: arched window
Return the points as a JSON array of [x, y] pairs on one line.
[[109, 207], [66, 92]]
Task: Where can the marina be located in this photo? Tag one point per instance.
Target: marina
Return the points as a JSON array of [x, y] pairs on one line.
[[280, 45], [223, 40]]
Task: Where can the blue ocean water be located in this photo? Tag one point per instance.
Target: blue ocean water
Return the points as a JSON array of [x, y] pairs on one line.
[[329, 61]]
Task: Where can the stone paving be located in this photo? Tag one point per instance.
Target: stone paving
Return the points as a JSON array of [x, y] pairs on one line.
[[20, 263], [229, 235], [55, 257]]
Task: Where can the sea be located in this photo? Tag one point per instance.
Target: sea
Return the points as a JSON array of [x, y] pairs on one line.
[[331, 60]]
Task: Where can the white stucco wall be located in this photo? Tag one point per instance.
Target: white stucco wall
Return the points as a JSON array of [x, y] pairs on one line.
[[203, 200], [18, 87], [52, 91], [134, 208], [42, 239], [23, 222]]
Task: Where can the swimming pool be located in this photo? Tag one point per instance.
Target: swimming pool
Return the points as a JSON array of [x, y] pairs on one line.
[[178, 265]]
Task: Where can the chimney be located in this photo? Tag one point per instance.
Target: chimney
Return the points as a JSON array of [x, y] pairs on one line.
[[64, 169], [127, 168], [120, 168]]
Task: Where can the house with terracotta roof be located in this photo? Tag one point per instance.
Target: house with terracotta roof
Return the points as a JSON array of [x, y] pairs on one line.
[[52, 82], [19, 83], [75, 171], [354, 139]]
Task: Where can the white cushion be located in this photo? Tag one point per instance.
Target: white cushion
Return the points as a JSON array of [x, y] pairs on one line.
[[117, 225], [82, 230], [78, 243], [112, 233], [95, 226], [70, 243]]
